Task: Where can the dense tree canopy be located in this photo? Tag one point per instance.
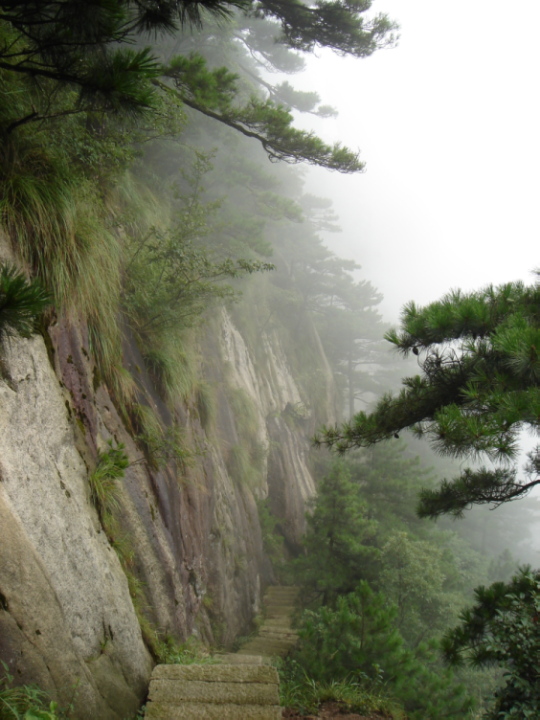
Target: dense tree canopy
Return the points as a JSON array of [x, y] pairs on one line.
[[479, 387], [88, 47]]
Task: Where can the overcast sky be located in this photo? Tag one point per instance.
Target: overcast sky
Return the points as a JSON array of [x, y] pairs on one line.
[[448, 124]]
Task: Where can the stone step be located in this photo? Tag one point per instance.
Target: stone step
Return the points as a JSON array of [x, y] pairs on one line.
[[268, 648], [278, 632], [216, 673], [242, 686], [214, 692], [276, 611], [235, 659], [238, 693], [282, 621], [201, 711], [283, 592]]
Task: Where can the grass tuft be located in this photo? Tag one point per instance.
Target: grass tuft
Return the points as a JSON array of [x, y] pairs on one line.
[[300, 692], [21, 301], [103, 487], [25, 702]]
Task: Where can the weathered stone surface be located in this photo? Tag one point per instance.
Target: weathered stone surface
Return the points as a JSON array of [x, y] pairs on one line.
[[78, 635], [216, 673], [274, 637], [196, 711], [240, 693], [235, 659], [67, 620]]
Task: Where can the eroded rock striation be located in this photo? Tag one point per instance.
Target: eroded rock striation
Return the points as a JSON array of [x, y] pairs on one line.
[[70, 609]]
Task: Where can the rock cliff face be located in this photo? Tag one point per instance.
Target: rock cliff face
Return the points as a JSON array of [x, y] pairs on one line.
[[70, 610]]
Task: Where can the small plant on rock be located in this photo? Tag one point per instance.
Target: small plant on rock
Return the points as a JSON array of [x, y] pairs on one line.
[[21, 301], [26, 702], [111, 466]]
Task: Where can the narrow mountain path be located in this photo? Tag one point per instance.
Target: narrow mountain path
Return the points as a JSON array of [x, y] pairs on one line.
[[241, 685], [275, 637]]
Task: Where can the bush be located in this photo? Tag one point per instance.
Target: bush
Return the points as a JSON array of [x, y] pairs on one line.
[[21, 301], [358, 641], [111, 466], [503, 629]]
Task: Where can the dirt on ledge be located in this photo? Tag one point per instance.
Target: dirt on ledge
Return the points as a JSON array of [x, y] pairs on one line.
[[332, 711]]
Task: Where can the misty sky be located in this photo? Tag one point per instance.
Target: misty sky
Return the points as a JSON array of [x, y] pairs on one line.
[[448, 126]]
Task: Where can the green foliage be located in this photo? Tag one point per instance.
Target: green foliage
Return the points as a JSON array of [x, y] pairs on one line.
[[336, 25], [21, 302], [359, 639], [83, 46], [273, 542], [502, 629], [171, 652], [238, 465], [478, 389], [205, 401], [213, 92], [246, 458], [167, 445], [25, 702], [339, 540], [302, 693], [82, 54], [58, 226], [350, 639], [412, 578], [111, 466], [173, 361], [170, 278]]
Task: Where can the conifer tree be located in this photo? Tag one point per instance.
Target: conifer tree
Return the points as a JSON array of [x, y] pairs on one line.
[[502, 629], [479, 388], [339, 540], [480, 359]]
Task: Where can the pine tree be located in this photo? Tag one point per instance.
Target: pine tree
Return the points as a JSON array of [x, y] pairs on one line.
[[479, 387], [339, 540], [503, 629]]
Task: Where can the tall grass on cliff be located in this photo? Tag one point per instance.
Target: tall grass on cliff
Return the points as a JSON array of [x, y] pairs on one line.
[[55, 218], [59, 229]]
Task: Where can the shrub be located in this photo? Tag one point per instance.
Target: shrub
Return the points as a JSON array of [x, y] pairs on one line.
[[503, 629], [21, 301], [359, 641], [111, 466]]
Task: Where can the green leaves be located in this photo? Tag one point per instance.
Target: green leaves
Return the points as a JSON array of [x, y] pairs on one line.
[[21, 302], [503, 628], [111, 466], [120, 82], [216, 94], [172, 277], [358, 639], [24, 702], [478, 389], [339, 539], [336, 24]]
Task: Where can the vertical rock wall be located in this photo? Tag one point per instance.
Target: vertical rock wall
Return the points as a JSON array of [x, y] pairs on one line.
[[67, 615]]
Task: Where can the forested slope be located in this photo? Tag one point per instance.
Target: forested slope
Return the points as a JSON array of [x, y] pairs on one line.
[[173, 334]]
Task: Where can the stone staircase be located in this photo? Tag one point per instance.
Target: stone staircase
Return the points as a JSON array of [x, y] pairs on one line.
[[275, 637], [239, 686]]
